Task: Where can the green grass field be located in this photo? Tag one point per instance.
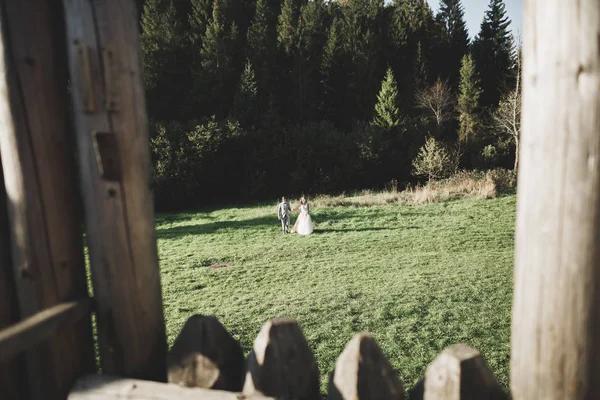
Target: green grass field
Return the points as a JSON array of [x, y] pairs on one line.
[[419, 278]]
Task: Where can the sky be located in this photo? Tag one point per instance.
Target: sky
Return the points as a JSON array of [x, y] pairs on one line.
[[475, 10]]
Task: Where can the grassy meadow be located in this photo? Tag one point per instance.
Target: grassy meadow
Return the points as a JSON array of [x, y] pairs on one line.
[[418, 277]]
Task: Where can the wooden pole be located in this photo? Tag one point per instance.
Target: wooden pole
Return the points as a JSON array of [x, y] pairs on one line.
[[556, 312], [11, 373], [114, 157], [46, 237]]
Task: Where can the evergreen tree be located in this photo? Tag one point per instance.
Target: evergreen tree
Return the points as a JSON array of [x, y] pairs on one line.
[[387, 114], [411, 36], [333, 75], [260, 44], [244, 104], [305, 77], [163, 53], [287, 27], [493, 51], [362, 41], [453, 39], [199, 19], [468, 101], [218, 48]]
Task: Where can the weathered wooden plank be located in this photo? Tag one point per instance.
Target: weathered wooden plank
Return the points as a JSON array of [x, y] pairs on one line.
[[363, 372], [119, 210], [104, 387], [555, 349], [281, 364], [46, 240], [206, 355], [11, 371], [40, 327], [459, 373]]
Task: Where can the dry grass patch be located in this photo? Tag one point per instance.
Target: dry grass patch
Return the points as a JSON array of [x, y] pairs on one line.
[[478, 185]]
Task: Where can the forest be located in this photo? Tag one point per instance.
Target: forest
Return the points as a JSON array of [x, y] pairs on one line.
[[253, 99]]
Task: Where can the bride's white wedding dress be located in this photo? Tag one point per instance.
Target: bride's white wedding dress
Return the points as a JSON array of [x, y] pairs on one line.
[[303, 225]]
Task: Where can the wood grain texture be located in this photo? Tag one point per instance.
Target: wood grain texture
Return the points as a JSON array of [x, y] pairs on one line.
[[119, 213], [206, 355], [41, 327], [46, 240], [555, 349], [104, 387], [281, 364], [11, 370], [459, 373], [363, 372]]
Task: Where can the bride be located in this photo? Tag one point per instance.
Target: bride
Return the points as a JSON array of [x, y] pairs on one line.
[[303, 225]]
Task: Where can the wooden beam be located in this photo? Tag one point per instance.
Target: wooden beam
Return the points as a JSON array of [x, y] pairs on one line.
[[555, 350], [41, 327], [114, 157], [11, 371], [104, 387], [40, 180]]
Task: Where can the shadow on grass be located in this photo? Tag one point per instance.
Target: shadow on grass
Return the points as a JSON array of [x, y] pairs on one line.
[[212, 227]]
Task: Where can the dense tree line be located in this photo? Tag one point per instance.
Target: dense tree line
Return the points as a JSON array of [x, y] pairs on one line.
[[256, 98]]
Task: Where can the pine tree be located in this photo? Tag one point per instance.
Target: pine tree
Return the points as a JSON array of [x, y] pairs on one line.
[[287, 27], [411, 39], [163, 49], [453, 40], [363, 44], [199, 19], [260, 45], [387, 114], [494, 54], [468, 101], [333, 80], [244, 104]]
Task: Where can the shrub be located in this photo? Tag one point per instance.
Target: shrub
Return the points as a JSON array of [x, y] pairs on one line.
[[432, 161]]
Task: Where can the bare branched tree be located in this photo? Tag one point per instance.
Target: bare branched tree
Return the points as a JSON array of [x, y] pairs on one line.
[[506, 118], [438, 100]]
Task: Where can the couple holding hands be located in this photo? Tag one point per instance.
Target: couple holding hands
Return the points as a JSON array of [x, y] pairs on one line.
[[303, 225]]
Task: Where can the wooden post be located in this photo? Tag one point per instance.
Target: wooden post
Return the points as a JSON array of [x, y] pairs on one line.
[[281, 363], [556, 312], [11, 373], [459, 373], [363, 372], [114, 157], [206, 355], [46, 235]]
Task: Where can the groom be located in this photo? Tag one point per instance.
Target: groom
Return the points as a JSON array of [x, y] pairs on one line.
[[283, 214]]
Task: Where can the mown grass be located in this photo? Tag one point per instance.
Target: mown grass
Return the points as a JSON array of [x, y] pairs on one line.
[[419, 278]]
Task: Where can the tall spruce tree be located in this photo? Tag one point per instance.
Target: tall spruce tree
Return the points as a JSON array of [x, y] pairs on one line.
[[362, 41], [244, 103], [411, 36], [333, 76], [452, 41], [306, 77], [199, 19], [260, 49], [218, 48], [468, 101], [387, 114], [494, 54], [163, 53]]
